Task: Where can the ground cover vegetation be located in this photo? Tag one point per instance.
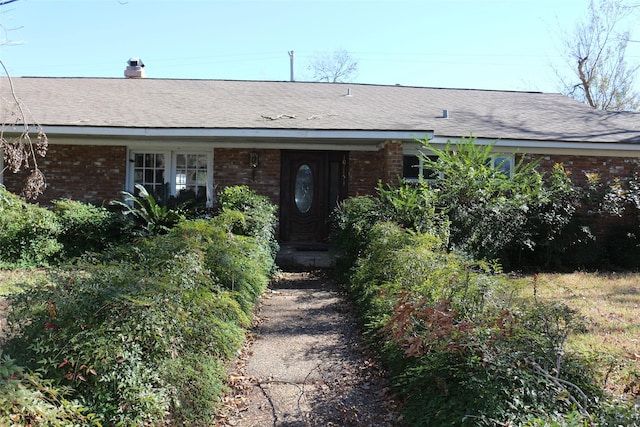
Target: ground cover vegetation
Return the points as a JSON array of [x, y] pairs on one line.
[[136, 326], [424, 264]]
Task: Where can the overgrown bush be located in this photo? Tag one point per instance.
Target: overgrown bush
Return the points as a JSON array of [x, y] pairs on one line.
[[413, 206], [460, 350], [141, 332], [259, 214], [86, 228], [495, 215], [28, 400], [28, 233]]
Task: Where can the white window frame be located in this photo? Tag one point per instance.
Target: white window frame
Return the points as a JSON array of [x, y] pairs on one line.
[[498, 158], [170, 168]]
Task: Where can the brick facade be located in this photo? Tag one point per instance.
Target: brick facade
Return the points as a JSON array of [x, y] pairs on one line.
[[607, 168], [231, 167], [93, 173], [87, 173], [367, 167]]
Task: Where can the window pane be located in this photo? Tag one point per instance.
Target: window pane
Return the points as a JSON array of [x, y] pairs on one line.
[[202, 161], [504, 163], [410, 167], [191, 160], [159, 160], [181, 161], [430, 174], [303, 195], [139, 160]]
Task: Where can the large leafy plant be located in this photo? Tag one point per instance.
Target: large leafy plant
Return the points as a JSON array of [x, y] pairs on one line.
[[493, 214], [150, 216]]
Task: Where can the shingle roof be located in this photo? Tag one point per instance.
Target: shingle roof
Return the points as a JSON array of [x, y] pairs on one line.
[[215, 104]]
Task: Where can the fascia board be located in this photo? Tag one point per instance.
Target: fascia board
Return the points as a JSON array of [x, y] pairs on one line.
[[234, 132], [600, 149]]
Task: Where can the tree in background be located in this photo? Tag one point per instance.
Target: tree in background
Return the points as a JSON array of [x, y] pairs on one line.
[[19, 147], [337, 67], [596, 54]]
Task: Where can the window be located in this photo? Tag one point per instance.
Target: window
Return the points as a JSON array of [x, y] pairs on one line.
[[149, 170], [413, 168], [191, 174], [504, 163], [166, 174]]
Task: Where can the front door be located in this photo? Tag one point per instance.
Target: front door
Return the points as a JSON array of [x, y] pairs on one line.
[[313, 183]]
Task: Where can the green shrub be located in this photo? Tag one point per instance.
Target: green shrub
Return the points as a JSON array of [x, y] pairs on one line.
[[460, 350], [410, 205], [28, 400], [142, 332], [350, 224], [28, 233], [496, 216], [85, 227], [258, 215]]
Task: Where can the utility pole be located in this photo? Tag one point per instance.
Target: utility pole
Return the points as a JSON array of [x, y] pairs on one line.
[[291, 65]]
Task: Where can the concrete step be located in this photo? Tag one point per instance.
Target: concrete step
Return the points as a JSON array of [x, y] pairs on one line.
[[304, 256]]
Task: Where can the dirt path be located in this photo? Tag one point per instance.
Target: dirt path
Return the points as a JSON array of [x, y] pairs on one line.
[[305, 365]]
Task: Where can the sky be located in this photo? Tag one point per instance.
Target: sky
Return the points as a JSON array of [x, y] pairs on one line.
[[477, 44]]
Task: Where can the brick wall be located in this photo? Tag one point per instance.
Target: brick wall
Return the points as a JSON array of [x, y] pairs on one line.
[[607, 167], [231, 167], [82, 172], [367, 167]]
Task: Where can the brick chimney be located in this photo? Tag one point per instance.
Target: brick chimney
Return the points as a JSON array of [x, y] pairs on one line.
[[134, 69]]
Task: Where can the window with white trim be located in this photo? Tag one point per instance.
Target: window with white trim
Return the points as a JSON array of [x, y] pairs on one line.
[[413, 167], [149, 170], [504, 163], [166, 174]]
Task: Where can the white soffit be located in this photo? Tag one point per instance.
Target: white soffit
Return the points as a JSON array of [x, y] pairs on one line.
[[600, 149], [234, 138]]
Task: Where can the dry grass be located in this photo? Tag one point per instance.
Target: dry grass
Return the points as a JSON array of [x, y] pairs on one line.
[[11, 279], [610, 304]]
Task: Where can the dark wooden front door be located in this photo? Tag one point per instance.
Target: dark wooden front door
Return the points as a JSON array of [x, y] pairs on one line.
[[313, 182]]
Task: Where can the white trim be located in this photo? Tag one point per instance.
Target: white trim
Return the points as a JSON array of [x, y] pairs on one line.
[[599, 149], [234, 132], [170, 169]]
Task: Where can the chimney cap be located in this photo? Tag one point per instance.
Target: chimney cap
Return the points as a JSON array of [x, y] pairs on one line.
[[135, 62]]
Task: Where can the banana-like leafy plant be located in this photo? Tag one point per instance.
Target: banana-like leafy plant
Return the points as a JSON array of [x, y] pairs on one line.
[[150, 216]]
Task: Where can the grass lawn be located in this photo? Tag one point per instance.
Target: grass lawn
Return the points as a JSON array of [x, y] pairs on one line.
[[610, 304]]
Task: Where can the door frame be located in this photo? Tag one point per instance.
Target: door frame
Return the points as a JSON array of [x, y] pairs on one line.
[[330, 188]]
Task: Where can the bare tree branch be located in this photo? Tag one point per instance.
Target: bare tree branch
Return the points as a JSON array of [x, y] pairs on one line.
[[21, 152], [595, 51], [337, 67]]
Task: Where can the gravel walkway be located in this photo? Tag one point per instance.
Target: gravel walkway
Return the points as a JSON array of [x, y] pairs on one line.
[[305, 365]]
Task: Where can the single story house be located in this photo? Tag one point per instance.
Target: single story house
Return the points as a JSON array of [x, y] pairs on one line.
[[304, 145]]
